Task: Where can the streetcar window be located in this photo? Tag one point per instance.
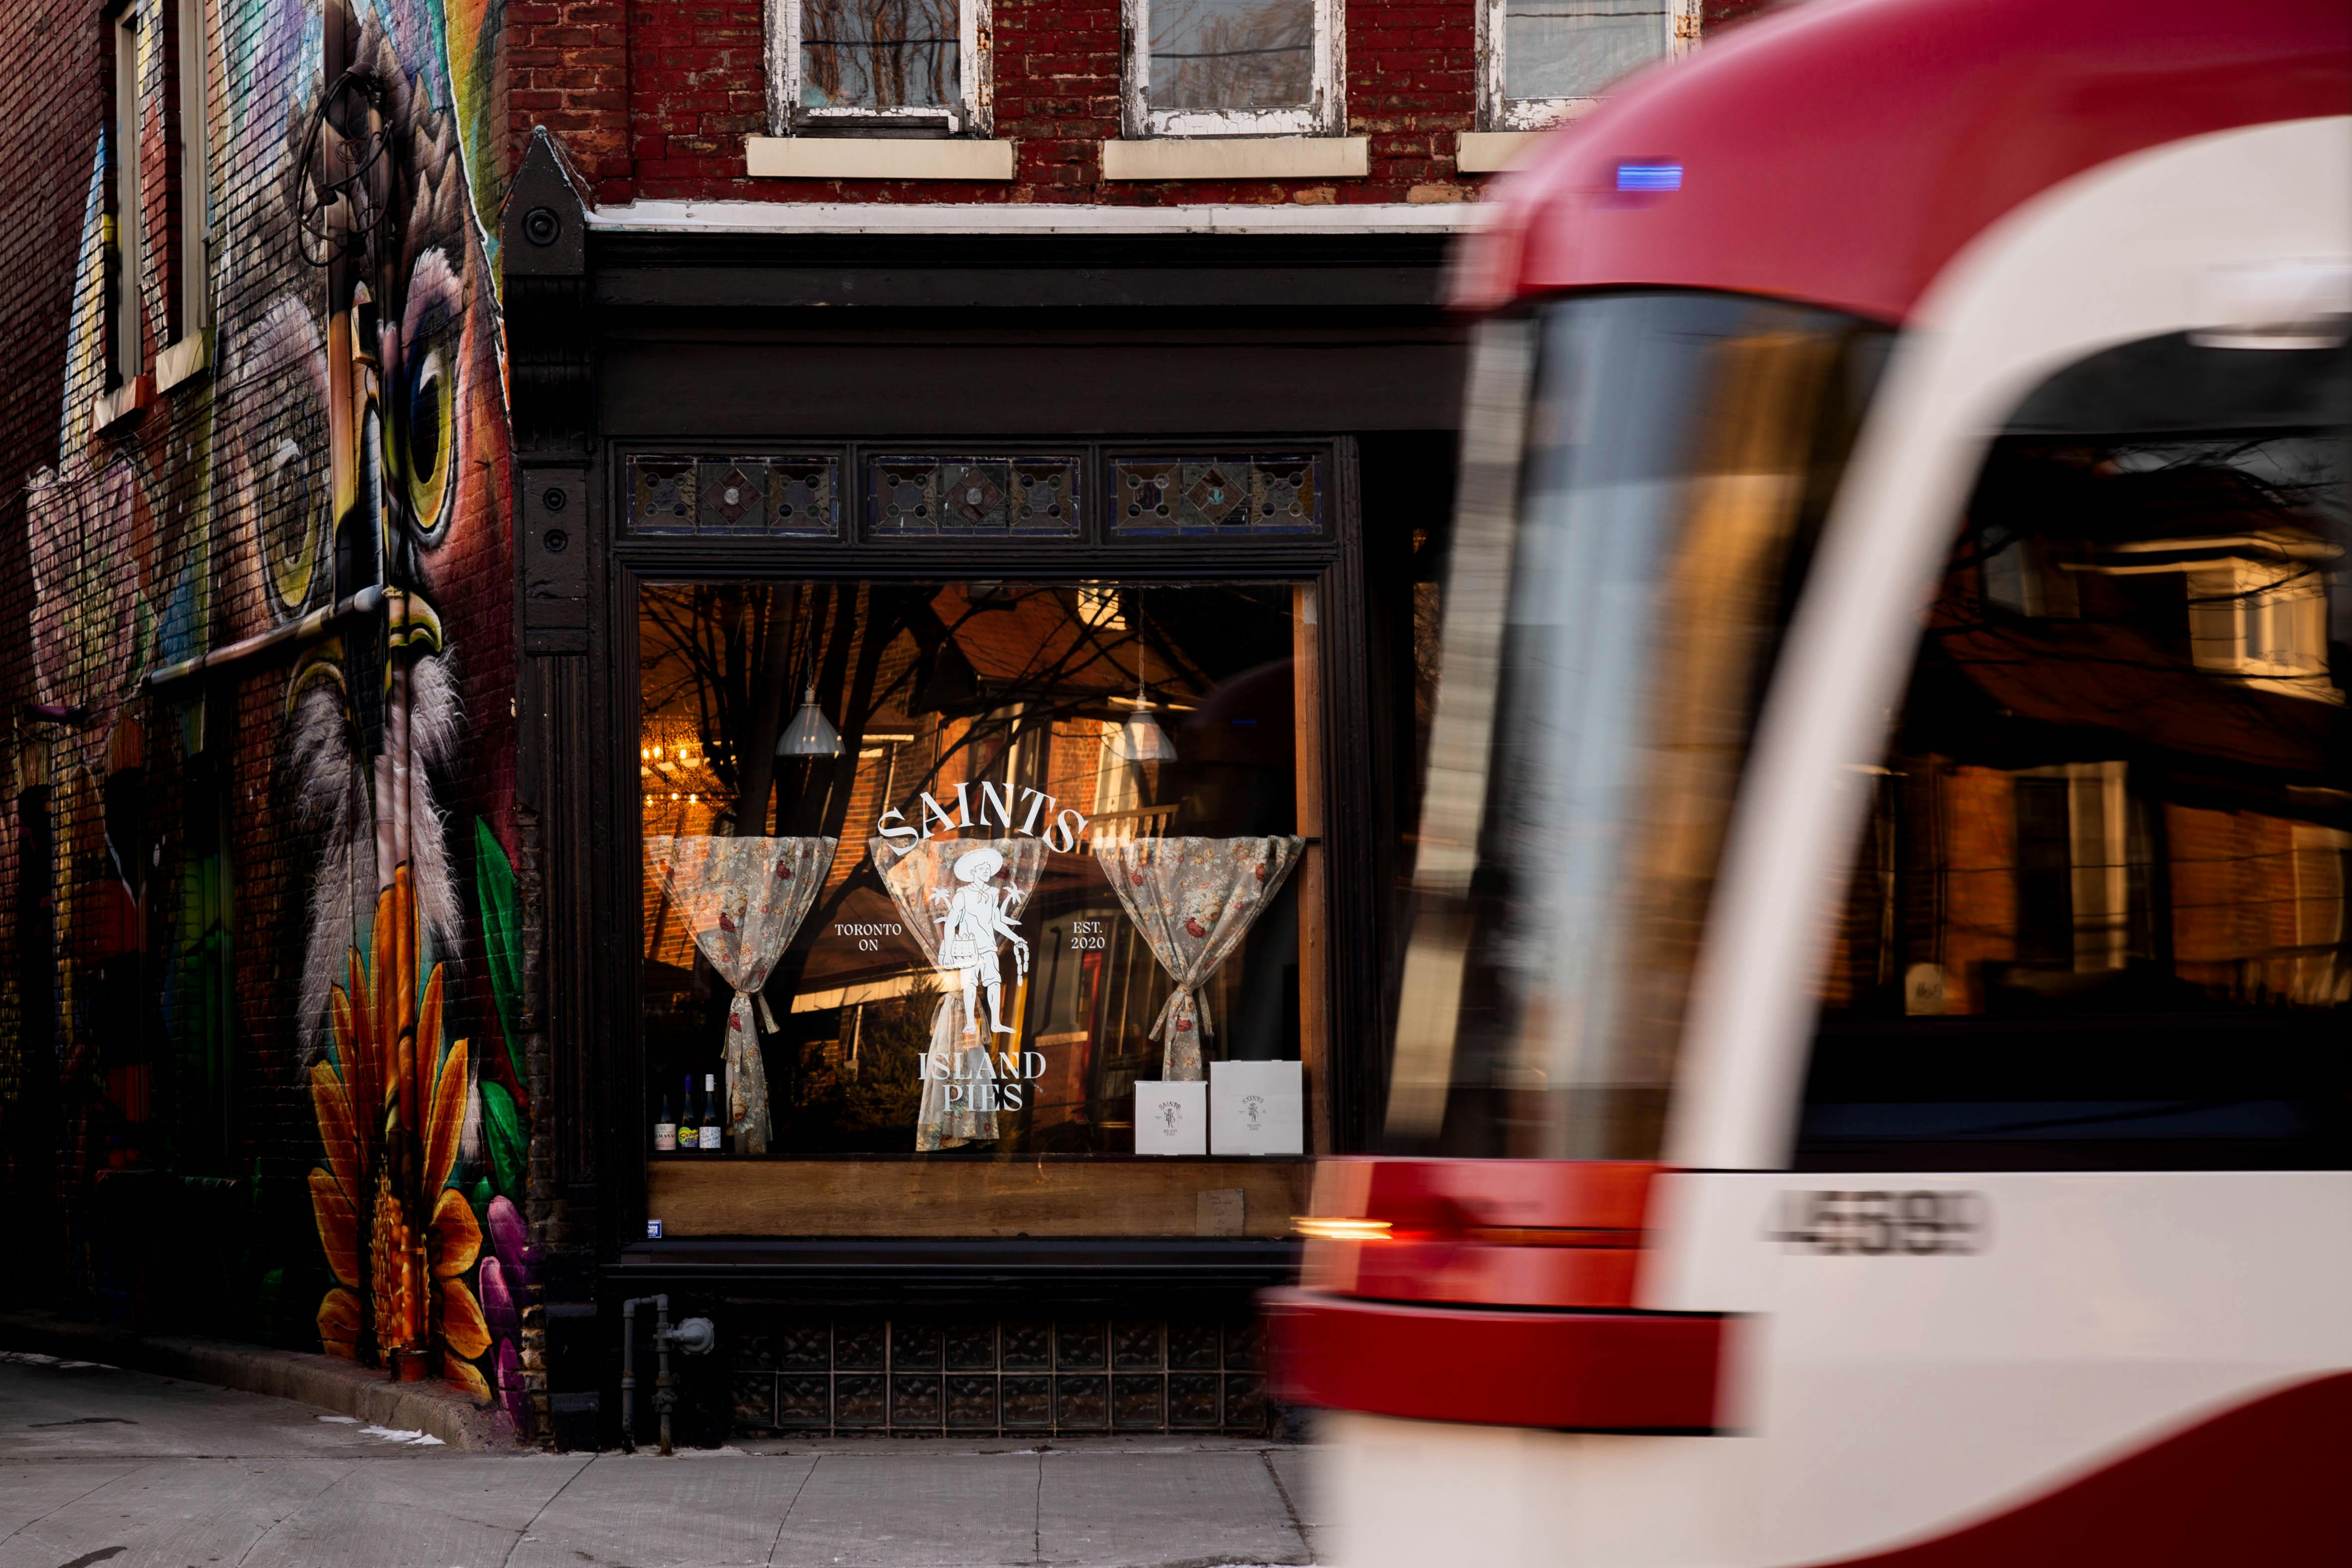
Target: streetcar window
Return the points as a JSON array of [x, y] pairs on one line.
[[2098, 915], [1607, 646]]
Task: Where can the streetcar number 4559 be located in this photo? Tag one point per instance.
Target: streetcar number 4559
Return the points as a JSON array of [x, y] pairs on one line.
[[1876, 1225]]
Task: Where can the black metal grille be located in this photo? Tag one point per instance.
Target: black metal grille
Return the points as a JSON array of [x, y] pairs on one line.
[[844, 1376]]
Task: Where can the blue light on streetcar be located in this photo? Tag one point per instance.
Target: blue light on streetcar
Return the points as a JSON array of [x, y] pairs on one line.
[[1649, 177]]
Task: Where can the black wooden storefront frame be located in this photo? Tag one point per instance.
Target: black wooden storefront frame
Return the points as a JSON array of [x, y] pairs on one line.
[[654, 345]]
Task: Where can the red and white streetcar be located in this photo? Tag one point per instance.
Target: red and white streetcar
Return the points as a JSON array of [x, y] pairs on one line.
[[1877, 1036]]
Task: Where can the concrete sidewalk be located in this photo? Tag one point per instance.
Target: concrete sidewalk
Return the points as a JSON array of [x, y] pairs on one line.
[[325, 1381], [106, 1466]]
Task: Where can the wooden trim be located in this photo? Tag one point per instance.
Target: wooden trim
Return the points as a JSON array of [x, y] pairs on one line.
[[1091, 1197], [943, 1196], [1314, 938], [1355, 982]]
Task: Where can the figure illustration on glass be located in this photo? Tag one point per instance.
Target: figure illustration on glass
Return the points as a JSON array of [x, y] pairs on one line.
[[974, 921]]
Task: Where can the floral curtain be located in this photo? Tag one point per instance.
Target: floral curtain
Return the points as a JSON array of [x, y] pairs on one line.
[[920, 878], [1193, 900], [743, 899]]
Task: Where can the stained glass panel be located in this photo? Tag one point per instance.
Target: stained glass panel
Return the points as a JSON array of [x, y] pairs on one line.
[[734, 495], [661, 495], [1224, 496], [912, 496]]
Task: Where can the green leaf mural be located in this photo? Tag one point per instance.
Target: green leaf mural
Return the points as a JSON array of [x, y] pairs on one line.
[[494, 880], [502, 1121]]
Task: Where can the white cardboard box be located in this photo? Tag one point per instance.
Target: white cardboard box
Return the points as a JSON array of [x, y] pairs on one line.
[[1171, 1118], [1256, 1108]]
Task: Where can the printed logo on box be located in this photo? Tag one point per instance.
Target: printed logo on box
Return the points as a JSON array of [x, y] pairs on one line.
[[1171, 1118]]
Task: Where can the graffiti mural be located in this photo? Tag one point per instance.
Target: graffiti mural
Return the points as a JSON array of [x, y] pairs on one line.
[[271, 726]]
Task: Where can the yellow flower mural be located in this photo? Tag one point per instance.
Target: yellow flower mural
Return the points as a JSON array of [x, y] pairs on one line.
[[391, 1116]]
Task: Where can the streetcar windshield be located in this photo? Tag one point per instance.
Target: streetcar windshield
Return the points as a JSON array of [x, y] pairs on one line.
[[1608, 638]]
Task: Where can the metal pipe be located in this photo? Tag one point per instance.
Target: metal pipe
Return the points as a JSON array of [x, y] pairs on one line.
[[367, 601], [665, 1398], [695, 1336], [629, 1375]]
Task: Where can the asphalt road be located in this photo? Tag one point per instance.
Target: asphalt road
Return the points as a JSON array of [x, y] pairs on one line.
[[100, 1465]]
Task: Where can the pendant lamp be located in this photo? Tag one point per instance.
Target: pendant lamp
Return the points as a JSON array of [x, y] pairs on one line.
[[1141, 739], [811, 733]]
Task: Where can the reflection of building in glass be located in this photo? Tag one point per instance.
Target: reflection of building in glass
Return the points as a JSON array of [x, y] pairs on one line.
[[2165, 611]]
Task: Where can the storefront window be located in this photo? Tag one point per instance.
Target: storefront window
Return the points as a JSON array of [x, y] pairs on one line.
[[975, 867]]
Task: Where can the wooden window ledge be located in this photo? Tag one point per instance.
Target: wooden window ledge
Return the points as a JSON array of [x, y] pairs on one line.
[[1239, 158], [1491, 151], [876, 158], [123, 406], [723, 1196], [185, 360]]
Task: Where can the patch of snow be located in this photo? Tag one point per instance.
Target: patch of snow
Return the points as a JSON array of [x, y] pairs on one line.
[[410, 1437], [341, 1420]]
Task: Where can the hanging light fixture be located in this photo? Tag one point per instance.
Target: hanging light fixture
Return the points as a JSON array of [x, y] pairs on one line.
[[811, 733], [1141, 739]]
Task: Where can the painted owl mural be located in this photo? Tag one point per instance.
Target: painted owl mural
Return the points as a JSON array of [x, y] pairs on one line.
[[309, 558]]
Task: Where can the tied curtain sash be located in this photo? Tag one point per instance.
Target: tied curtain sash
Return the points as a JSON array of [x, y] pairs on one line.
[[912, 874], [743, 899], [1193, 900]]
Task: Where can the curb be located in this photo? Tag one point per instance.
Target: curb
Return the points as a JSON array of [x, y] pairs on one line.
[[329, 1383]]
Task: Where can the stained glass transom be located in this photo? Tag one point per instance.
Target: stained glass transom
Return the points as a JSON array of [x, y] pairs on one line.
[[917, 496], [793, 496], [1217, 495]]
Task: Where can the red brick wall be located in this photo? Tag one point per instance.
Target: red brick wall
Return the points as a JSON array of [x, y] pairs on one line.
[[653, 99]]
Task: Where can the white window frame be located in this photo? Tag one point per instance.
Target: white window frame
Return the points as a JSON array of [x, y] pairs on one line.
[[1323, 113], [973, 113], [192, 38], [1497, 112], [127, 307]]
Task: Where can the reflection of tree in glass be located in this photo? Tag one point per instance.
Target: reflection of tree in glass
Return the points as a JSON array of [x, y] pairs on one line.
[[877, 54], [885, 1092], [952, 680], [1232, 54]]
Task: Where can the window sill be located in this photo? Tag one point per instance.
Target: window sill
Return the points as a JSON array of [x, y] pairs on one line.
[[1239, 158], [974, 1198], [876, 158], [184, 361], [1492, 151], [112, 410]]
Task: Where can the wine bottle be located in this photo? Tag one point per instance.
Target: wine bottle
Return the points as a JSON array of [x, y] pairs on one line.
[[712, 1126], [665, 1129], [688, 1131]]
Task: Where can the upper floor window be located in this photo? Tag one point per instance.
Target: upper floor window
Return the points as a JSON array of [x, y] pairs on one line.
[[1546, 61], [895, 66], [1210, 68], [126, 320], [191, 123]]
